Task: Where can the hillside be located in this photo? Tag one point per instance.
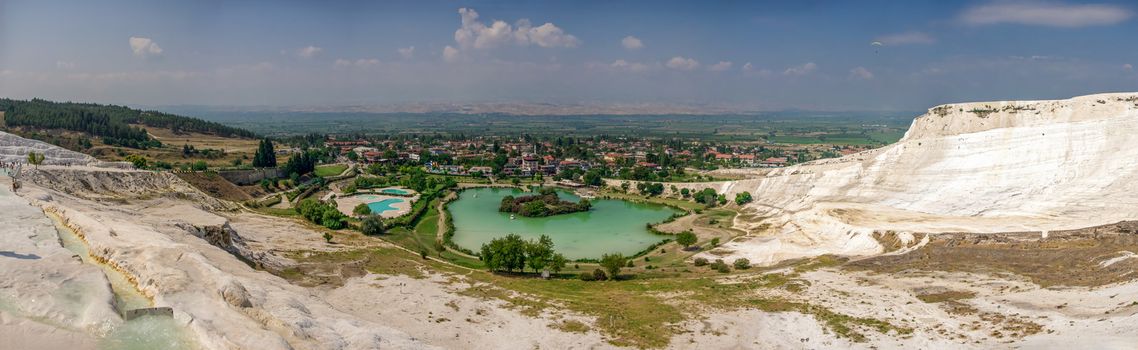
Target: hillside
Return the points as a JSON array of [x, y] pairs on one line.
[[113, 125], [970, 167]]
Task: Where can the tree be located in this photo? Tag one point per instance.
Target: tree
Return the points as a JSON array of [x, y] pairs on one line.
[[539, 253], [557, 263], [35, 158], [743, 198], [612, 263], [361, 210], [327, 237], [265, 157], [686, 239], [372, 225]]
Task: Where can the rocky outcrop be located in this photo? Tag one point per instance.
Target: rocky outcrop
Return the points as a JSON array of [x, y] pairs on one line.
[[119, 184], [969, 167], [15, 149]]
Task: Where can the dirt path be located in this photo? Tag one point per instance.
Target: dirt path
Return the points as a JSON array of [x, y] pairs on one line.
[[442, 229]]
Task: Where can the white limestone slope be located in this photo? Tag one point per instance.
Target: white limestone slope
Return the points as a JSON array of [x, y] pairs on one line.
[[15, 149], [968, 167]]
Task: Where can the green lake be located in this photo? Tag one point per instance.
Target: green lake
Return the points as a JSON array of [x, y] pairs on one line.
[[612, 226]]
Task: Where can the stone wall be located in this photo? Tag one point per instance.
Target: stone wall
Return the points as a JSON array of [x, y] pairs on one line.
[[251, 176]]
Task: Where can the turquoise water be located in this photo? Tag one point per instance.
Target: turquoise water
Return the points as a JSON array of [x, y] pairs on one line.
[[612, 226], [383, 205], [394, 191]]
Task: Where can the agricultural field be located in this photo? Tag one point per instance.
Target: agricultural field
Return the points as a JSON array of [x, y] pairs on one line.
[[839, 128]]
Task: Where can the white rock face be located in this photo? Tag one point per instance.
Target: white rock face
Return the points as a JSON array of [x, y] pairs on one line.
[[969, 167], [14, 149]]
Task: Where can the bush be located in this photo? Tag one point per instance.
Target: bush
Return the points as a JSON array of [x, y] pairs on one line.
[[742, 264], [700, 262], [361, 210], [715, 242], [372, 225], [587, 277], [327, 237], [720, 266], [599, 275]]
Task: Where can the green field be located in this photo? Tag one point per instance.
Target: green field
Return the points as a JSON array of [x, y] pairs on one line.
[[850, 128], [330, 170]]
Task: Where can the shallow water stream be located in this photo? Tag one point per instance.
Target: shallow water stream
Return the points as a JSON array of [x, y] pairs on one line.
[[147, 332]]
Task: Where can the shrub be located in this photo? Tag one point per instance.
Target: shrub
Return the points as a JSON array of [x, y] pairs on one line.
[[743, 198], [742, 264], [587, 277], [327, 237], [361, 210], [715, 242], [372, 225], [720, 266], [599, 275], [700, 262]]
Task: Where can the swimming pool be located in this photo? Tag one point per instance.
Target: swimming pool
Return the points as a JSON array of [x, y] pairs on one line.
[[393, 191], [383, 205]]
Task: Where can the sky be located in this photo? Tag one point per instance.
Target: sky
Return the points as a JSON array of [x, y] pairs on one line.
[[760, 55]]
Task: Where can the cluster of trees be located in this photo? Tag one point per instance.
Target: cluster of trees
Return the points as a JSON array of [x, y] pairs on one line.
[[190, 151], [300, 163], [545, 203], [706, 196], [650, 188], [322, 214], [512, 253], [112, 123], [265, 157]]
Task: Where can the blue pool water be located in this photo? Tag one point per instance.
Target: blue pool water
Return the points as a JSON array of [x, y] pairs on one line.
[[393, 191], [383, 205]]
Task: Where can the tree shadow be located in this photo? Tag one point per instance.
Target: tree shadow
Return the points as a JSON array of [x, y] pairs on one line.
[[19, 256]]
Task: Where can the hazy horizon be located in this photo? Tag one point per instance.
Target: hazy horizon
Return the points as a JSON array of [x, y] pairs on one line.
[[760, 56]]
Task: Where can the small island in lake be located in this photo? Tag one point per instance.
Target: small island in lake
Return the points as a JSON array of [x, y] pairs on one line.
[[545, 203]]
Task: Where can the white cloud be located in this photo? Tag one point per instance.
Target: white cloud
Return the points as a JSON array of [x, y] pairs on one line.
[[308, 51], [807, 68], [64, 65], [359, 63], [632, 66], [1127, 67], [406, 52], [1051, 14], [906, 38], [861, 73], [682, 63], [476, 34], [144, 47], [719, 67], [750, 70], [632, 43], [450, 54]]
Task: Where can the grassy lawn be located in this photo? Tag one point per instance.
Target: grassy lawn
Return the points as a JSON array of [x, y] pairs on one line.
[[641, 310], [330, 170]]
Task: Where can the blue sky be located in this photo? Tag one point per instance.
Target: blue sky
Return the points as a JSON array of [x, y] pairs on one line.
[[745, 54]]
